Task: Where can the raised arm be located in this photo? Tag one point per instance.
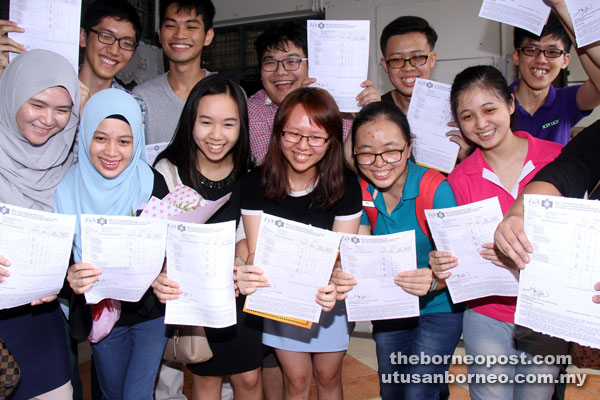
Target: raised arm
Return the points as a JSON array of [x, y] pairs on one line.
[[588, 95]]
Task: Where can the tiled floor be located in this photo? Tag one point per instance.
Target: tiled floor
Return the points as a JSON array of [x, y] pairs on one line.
[[360, 378]]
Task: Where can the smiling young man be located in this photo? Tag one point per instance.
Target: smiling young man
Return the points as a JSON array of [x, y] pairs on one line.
[[541, 109], [407, 46], [110, 30], [283, 62], [185, 28]]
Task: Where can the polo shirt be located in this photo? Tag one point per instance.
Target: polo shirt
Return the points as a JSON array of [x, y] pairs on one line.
[[474, 180], [404, 218], [261, 113], [554, 119]]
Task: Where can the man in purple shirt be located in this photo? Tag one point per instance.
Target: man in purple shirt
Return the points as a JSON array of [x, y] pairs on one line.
[[542, 110]]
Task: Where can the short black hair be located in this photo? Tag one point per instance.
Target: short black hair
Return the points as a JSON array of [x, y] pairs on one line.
[[120, 10], [205, 8], [276, 36], [407, 24], [553, 28]]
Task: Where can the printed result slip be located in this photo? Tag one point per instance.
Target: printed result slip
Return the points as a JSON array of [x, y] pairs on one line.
[[38, 245], [374, 261], [297, 259], [556, 287], [49, 24], [338, 56], [530, 15], [200, 258], [429, 113], [462, 231], [129, 250]]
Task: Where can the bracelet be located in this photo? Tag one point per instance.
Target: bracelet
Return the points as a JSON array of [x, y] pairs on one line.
[[241, 259], [433, 285]]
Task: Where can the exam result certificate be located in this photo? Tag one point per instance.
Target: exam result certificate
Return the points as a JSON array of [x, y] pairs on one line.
[[556, 287], [374, 261], [462, 231], [297, 259], [338, 56], [530, 15], [429, 113], [200, 258], [129, 250], [38, 245], [49, 24], [585, 15]]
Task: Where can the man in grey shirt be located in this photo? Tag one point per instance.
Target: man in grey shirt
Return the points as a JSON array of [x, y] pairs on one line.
[[185, 28]]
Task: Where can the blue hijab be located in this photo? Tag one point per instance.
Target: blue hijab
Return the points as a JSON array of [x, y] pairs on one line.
[[84, 190]]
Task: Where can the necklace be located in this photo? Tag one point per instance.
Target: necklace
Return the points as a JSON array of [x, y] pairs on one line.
[[228, 180]]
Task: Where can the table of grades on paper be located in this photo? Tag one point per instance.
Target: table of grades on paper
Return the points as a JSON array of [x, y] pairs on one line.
[[48, 24], [38, 245], [556, 287]]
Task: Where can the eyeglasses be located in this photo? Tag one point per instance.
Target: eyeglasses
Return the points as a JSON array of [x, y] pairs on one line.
[[389, 156], [289, 64], [534, 52], [415, 61], [313, 141], [126, 43]]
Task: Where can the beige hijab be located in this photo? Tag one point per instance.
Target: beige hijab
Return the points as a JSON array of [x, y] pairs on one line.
[[29, 174]]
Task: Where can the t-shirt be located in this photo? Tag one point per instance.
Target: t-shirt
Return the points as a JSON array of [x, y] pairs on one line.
[[577, 168], [164, 108], [404, 218], [554, 119], [261, 112], [332, 332], [474, 180]]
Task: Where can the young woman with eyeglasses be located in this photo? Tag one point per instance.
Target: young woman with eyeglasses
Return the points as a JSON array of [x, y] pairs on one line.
[[382, 151], [304, 178]]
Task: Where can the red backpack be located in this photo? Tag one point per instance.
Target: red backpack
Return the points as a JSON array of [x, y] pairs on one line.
[[429, 183]]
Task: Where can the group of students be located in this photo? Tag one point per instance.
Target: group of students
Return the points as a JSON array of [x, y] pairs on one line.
[[284, 151]]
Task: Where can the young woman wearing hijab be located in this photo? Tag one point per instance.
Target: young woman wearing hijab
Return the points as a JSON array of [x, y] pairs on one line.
[[39, 112], [112, 177]]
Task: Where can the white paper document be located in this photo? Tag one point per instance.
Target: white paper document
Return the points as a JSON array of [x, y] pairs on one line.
[[530, 15], [428, 115], [556, 287], [38, 245], [153, 150], [49, 24], [462, 231], [585, 15], [129, 250], [297, 259], [200, 258], [374, 261], [338, 56]]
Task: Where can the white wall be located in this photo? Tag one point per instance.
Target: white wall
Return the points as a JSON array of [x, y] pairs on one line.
[[464, 38]]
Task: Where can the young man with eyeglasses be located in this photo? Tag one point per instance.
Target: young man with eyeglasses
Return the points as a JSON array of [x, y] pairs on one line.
[[541, 109], [109, 34], [282, 57], [407, 47], [185, 29]]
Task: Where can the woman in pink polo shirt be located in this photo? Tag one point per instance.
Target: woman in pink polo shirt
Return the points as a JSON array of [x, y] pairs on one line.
[[502, 164]]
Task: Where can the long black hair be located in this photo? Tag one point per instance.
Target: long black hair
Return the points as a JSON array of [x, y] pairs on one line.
[[182, 151]]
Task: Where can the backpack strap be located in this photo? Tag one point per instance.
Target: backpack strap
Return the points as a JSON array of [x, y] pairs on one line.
[[427, 187], [367, 202]]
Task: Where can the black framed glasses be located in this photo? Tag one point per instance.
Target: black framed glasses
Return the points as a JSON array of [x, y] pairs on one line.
[[415, 61], [289, 64], [389, 156], [532, 51], [126, 43], [313, 141]]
